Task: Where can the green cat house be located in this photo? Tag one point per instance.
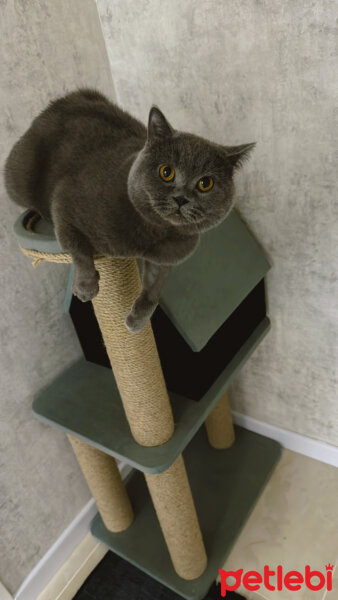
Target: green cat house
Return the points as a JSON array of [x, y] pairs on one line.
[[192, 488]]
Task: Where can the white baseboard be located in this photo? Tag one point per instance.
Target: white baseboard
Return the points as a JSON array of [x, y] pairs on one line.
[[60, 551], [292, 441], [57, 555], [73, 573], [75, 551]]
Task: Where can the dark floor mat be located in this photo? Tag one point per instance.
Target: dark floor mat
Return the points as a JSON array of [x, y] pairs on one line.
[[116, 579]]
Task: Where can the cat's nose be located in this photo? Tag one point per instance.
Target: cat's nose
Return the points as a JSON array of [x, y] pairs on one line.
[[181, 201]]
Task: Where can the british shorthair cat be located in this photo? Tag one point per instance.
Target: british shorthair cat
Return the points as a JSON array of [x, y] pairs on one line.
[[112, 186]]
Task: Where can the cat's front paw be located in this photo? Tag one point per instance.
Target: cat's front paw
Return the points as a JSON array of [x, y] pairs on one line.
[[85, 289], [135, 324]]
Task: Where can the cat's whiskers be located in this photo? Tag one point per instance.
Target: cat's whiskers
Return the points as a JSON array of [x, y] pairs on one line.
[[195, 214]]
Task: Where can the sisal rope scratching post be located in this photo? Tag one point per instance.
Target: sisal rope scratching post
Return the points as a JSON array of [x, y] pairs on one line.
[[219, 426], [139, 377], [99, 470], [105, 483], [133, 357], [175, 509]]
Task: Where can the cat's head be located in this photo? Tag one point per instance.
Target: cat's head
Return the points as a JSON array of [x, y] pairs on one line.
[[183, 179]]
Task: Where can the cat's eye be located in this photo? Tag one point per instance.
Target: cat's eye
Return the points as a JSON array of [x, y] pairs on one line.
[[167, 173], [205, 184]]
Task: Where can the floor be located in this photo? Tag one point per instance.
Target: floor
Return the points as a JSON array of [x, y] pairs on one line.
[[294, 524]]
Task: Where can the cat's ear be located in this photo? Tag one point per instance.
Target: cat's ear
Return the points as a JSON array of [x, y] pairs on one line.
[[237, 155], [158, 126]]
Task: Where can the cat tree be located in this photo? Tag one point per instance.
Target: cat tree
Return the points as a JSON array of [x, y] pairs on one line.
[[86, 403]]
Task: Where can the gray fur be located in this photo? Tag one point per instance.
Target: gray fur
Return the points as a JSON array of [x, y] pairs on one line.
[[93, 170]]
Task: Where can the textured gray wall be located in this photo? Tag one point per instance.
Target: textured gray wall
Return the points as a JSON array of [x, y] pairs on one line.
[[267, 72], [46, 48]]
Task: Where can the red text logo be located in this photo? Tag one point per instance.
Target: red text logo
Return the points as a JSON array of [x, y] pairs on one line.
[[276, 580]]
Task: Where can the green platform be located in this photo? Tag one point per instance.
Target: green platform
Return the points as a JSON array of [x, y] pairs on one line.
[[84, 401], [226, 485]]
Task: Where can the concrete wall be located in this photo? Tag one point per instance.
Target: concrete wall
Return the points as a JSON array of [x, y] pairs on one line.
[[233, 72], [258, 71], [46, 49]]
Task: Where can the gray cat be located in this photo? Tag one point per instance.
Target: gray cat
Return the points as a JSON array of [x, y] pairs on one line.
[[111, 186]]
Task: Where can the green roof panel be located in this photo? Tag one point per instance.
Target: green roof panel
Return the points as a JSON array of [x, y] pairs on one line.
[[202, 292]]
